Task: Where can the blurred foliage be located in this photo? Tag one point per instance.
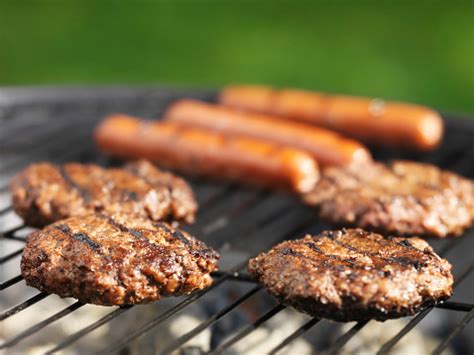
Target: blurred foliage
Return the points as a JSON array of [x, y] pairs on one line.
[[420, 51]]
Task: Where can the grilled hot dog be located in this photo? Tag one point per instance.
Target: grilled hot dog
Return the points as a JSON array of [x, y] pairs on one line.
[[327, 147], [201, 152], [370, 120]]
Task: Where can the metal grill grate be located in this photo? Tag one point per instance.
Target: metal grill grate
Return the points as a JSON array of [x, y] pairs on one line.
[[56, 124]]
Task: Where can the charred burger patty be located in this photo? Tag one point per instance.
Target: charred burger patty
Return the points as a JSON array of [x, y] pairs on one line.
[[403, 198], [45, 193], [115, 260], [353, 275]]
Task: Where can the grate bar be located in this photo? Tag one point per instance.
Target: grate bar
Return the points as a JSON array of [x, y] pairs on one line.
[[392, 342], [236, 276], [299, 332], [10, 256], [29, 302], [14, 237], [262, 212], [449, 246], [11, 232], [247, 330], [419, 317], [53, 148], [76, 336], [6, 210], [465, 321], [79, 153], [45, 132], [339, 343], [164, 316], [301, 227], [464, 274], [216, 221], [28, 152], [456, 306], [10, 282], [209, 322], [10, 342]]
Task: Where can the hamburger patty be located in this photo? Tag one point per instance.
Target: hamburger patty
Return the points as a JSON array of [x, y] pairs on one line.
[[183, 205], [116, 260], [403, 198], [353, 275], [44, 193]]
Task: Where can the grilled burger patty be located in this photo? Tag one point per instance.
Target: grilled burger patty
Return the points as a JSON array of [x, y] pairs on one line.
[[353, 275], [403, 198], [116, 260], [44, 193]]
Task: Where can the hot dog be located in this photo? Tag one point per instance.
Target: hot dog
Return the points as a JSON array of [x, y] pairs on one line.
[[327, 147], [202, 152], [370, 120]]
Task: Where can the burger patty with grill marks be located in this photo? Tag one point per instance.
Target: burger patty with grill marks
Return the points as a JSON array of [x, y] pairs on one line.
[[354, 275], [403, 198], [116, 260], [44, 193]]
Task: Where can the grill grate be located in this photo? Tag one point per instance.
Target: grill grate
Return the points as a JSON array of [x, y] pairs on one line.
[[56, 124]]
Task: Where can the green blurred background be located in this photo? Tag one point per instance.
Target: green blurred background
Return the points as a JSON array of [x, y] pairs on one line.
[[406, 50]]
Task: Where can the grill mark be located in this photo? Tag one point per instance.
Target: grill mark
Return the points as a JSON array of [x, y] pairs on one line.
[[134, 232], [137, 234], [197, 249], [63, 228], [289, 251], [176, 234], [406, 243], [83, 237], [400, 260], [83, 192], [80, 236], [314, 247]]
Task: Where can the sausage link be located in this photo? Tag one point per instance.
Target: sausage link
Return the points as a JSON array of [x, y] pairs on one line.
[[369, 120], [207, 153], [327, 147]]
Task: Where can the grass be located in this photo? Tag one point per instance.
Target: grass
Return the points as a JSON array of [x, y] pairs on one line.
[[413, 51]]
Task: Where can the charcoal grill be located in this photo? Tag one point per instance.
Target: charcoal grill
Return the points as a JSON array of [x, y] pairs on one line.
[[56, 123]]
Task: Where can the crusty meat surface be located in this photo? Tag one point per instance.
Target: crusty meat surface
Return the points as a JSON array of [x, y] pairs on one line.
[[353, 275], [44, 193], [183, 203], [116, 260], [403, 198]]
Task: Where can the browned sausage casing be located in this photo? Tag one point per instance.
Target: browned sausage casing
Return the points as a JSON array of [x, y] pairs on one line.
[[327, 147], [201, 152], [370, 120]]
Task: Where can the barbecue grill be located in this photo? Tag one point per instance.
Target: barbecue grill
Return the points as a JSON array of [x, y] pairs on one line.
[[55, 124]]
